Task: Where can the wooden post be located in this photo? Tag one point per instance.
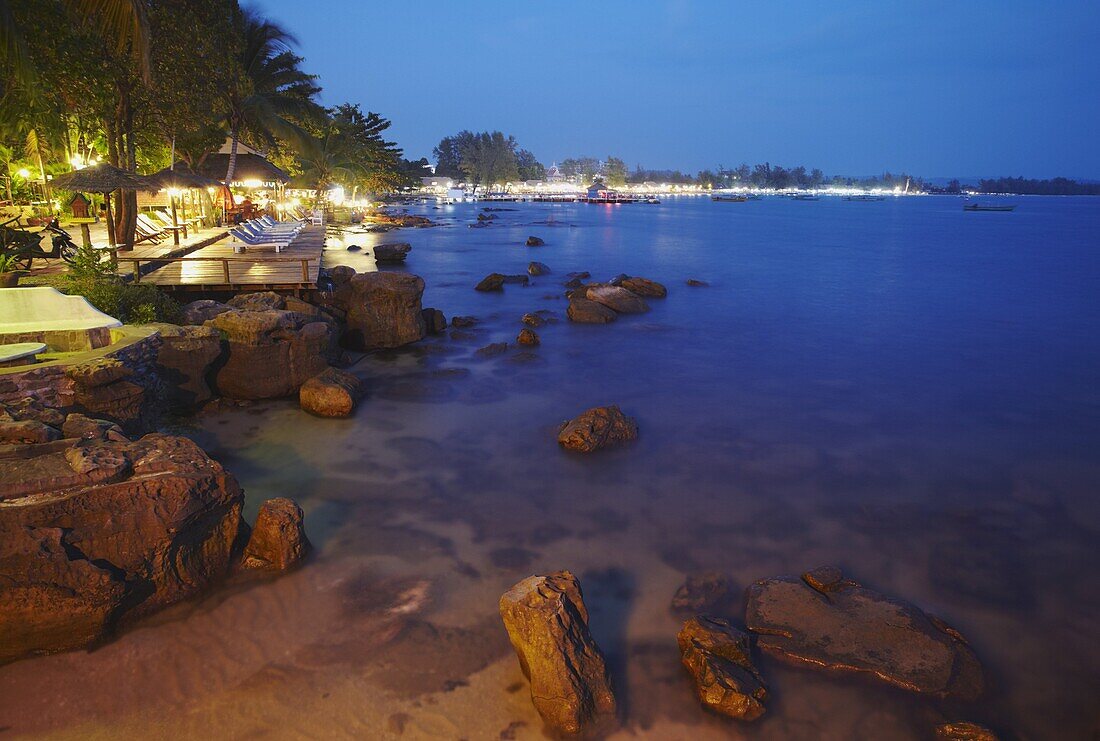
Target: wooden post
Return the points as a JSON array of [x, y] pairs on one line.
[[175, 222], [85, 234], [137, 270], [305, 270], [225, 271]]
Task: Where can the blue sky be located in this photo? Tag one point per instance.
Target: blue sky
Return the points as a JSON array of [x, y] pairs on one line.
[[932, 88]]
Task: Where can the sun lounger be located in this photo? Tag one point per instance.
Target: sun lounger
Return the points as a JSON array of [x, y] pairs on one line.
[[277, 243], [145, 229]]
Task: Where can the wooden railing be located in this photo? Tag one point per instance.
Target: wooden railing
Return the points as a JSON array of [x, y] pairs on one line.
[[136, 263]]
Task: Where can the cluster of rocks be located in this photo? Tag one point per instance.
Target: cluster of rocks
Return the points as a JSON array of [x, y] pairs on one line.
[[98, 530], [496, 282], [397, 221], [600, 303], [820, 619]]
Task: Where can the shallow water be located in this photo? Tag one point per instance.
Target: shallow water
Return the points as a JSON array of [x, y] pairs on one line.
[[901, 388]]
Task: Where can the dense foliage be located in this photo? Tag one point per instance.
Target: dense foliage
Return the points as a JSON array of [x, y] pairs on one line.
[[137, 83], [1055, 187], [485, 159]]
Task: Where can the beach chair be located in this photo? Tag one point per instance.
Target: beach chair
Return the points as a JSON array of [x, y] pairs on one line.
[[252, 242], [258, 225], [145, 229]]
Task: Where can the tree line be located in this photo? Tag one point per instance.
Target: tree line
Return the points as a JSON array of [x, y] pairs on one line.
[[142, 83], [484, 159], [1053, 187]]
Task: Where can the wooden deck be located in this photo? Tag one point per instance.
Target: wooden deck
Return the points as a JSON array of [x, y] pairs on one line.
[[218, 268]]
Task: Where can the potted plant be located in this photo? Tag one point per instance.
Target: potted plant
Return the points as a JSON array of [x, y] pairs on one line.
[[9, 271]]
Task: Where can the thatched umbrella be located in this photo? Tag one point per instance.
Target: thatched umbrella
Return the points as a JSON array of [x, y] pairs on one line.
[[105, 179], [179, 178]]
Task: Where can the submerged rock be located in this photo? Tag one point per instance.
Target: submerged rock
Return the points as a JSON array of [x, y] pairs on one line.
[[521, 280], [547, 623], [718, 657], [528, 337], [537, 268], [391, 252], [709, 592], [492, 350], [534, 242], [825, 620], [964, 731], [185, 358], [331, 393], [104, 532], [463, 321], [695, 283], [278, 540], [599, 427], [583, 311], [533, 320], [383, 310], [491, 282], [619, 299]]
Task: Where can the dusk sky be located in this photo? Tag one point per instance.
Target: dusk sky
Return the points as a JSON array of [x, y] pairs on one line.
[[932, 88]]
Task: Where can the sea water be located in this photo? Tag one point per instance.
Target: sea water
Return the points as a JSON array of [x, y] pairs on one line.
[[900, 388]]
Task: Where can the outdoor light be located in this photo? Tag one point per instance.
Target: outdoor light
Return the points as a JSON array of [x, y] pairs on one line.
[[24, 173], [252, 183], [78, 163]]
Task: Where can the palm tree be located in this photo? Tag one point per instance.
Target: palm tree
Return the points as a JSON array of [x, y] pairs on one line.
[[327, 160], [273, 89]]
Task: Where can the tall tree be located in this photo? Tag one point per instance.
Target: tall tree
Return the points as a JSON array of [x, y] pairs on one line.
[[272, 89]]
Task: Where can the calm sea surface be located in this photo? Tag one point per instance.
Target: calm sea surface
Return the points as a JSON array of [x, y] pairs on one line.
[[900, 388]]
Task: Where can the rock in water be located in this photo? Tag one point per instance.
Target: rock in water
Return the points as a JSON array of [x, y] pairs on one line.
[[534, 242], [392, 252], [528, 337], [964, 731], [434, 321], [709, 592], [269, 353], [839, 624], [537, 268], [384, 310], [278, 539], [463, 321], [718, 657], [331, 393], [619, 299], [185, 356], [533, 320], [583, 311], [106, 532], [696, 283], [599, 427], [491, 282], [644, 287], [547, 623]]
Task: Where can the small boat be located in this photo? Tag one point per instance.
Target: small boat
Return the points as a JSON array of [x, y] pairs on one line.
[[986, 207], [805, 197], [653, 199], [864, 197], [729, 198]]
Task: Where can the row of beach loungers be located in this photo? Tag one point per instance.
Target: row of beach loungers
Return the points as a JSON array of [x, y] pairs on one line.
[[267, 233], [157, 226]]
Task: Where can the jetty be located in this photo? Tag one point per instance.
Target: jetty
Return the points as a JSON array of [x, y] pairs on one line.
[[219, 267]]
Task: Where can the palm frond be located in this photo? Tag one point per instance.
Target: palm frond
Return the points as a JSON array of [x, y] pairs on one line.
[[123, 22]]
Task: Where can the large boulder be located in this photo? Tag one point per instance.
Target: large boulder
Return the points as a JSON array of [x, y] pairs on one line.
[[201, 311], [718, 657], [185, 357], [599, 427], [278, 540], [824, 620], [269, 354], [102, 388], [537, 268], [383, 310], [101, 533], [392, 252], [331, 393], [643, 287], [617, 298], [258, 301], [583, 311], [547, 623]]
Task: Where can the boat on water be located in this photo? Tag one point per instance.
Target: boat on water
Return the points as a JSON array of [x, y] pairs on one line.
[[986, 207], [653, 199], [864, 197], [805, 197], [729, 198]]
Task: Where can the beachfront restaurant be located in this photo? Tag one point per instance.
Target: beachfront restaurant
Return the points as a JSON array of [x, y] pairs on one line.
[[257, 185]]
